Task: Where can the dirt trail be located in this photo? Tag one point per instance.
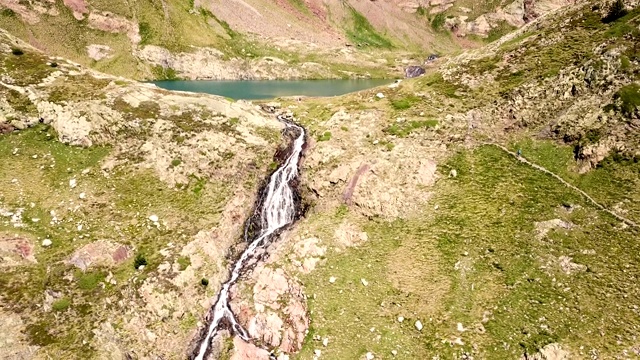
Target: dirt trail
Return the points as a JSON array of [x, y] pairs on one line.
[[567, 184]]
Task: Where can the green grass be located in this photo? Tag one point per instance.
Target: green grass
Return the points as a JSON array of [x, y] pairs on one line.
[[405, 102], [164, 73], [300, 5], [7, 13], [144, 110], [74, 88], [184, 262], [89, 280], [614, 182], [19, 102], [25, 69], [629, 98], [477, 257], [146, 32], [499, 31], [436, 82], [326, 136], [438, 21], [61, 304], [363, 33], [403, 129]]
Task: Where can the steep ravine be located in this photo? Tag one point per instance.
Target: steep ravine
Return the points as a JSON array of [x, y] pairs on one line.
[[277, 207]]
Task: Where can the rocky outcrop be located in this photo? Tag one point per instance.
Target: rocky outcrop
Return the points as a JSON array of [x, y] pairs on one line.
[[246, 351], [413, 71], [109, 22], [515, 14], [100, 253], [210, 63], [543, 227], [278, 314], [577, 97], [98, 52], [549, 352], [15, 250], [30, 12], [79, 8]]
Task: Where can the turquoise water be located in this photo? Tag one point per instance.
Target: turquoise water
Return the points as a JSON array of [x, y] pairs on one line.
[[268, 89]]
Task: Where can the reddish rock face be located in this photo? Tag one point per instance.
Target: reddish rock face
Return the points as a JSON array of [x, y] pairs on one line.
[[99, 253], [246, 351], [15, 250], [120, 255], [24, 249], [6, 128]]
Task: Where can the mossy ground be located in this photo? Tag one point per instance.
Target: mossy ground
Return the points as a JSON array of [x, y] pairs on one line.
[[477, 260]]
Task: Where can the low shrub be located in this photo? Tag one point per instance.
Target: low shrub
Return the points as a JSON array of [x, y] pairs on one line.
[[140, 260]]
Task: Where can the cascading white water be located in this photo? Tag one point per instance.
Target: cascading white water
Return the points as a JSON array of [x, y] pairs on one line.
[[278, 210]]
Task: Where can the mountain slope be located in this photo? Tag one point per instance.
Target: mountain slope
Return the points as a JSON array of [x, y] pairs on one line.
[[447, 214], [439, 231], [252, 39], [100, 176]]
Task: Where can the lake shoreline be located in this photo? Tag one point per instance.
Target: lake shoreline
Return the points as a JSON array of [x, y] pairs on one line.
[[269, 89]]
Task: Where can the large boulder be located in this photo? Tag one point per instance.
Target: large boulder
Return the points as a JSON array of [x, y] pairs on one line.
[[413, 71]]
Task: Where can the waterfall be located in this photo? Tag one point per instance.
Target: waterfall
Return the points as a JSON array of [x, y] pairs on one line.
[[277, 210]]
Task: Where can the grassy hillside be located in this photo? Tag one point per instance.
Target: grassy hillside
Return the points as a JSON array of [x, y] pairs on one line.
[[311, 39], [112, 191], [499, 259]]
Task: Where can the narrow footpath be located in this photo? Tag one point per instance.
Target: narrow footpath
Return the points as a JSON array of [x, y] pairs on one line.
[[567, 184]]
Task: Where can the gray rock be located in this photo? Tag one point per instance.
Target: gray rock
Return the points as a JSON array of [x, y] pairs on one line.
[[413, 71], [20, 125]]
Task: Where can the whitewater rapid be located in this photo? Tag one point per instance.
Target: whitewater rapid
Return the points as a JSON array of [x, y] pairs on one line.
[[277, 210]]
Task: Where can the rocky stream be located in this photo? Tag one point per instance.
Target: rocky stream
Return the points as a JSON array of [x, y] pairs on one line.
[[276, 208]]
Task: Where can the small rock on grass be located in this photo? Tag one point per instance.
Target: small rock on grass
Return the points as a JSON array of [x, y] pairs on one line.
[[46, 242], [364, 282], [369, 356], [154, 218], [332, 279], [394, 352], [73, 183], [418, 325]]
